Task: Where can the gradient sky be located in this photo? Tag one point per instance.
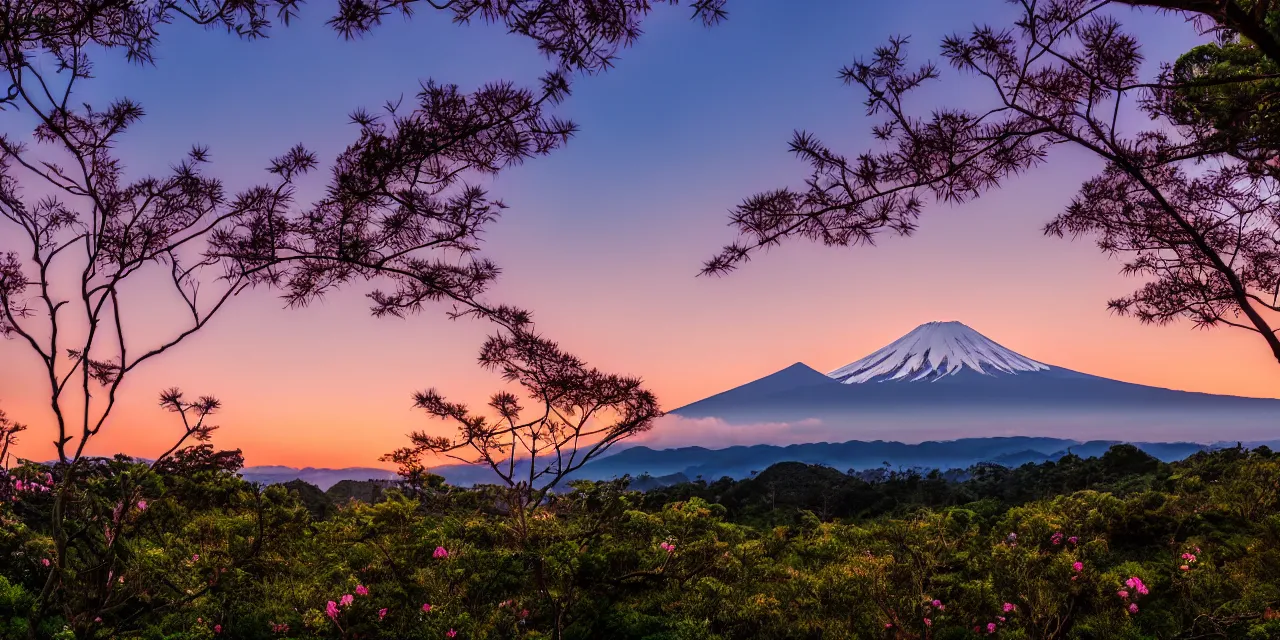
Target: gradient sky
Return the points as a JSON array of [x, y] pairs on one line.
[[604, 238]]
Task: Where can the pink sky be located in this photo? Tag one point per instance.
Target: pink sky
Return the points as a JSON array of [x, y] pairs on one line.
[[604, 238]]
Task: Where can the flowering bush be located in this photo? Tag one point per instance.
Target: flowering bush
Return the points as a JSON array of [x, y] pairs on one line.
[[211, 556]]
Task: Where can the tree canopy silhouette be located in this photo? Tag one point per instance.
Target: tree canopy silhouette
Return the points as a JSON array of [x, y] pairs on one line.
[[1189, 204], [579, 414]]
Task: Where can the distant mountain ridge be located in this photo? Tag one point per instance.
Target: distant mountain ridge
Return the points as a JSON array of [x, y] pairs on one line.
[[322, 478], [664, 466], [741, 461]]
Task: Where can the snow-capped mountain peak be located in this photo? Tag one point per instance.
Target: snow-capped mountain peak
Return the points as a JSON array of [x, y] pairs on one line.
[[933, 350]]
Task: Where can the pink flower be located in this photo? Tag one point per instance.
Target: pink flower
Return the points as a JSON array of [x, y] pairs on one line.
[[195, 557], [1133, 607], [928, 622], [888, 625], [1073, 540], [426, 608], [1000, 618], [1135, 583], [451, 634], [362, 590], [937, 603], [991, 627], [44, 561], [440, 552], [382, 613], [217, 628], [1185, 568], [669, 548], [524, 613], [1008, 606], [346, 599], [1123, 594], [1079, 566], [331, 610], [1057, 538], [142, 505], [1189, 557]]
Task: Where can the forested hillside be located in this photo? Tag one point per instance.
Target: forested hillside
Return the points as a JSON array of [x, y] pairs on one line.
[[1117, 546]]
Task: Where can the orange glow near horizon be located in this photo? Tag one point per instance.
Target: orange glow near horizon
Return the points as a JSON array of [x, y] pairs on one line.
[[330, 386], [323, 420]]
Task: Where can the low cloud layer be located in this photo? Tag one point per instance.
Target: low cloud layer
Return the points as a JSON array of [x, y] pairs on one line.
[[672, 431]]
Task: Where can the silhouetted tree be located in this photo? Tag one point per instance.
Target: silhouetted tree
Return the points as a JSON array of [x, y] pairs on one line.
[[1190, 209], [9, 431], [200, 458], [1253, 19], [193, 416], [577, 414], [403, 206]]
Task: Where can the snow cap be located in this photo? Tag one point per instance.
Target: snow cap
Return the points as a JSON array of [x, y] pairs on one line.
[[933, 350]]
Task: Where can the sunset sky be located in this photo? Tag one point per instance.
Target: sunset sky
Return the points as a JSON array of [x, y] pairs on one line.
[[604, 238]]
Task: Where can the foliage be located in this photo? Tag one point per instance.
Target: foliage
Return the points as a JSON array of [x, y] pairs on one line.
[[9, 431], [1119, 546], [1189, 204], [568, 428]]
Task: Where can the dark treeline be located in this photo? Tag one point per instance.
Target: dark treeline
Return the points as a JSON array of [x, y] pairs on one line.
[[774, 495], [781, 491]]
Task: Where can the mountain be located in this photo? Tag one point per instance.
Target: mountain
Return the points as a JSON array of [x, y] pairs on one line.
[[933, 350], [946, 380], [742, 461], [322, 478]]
